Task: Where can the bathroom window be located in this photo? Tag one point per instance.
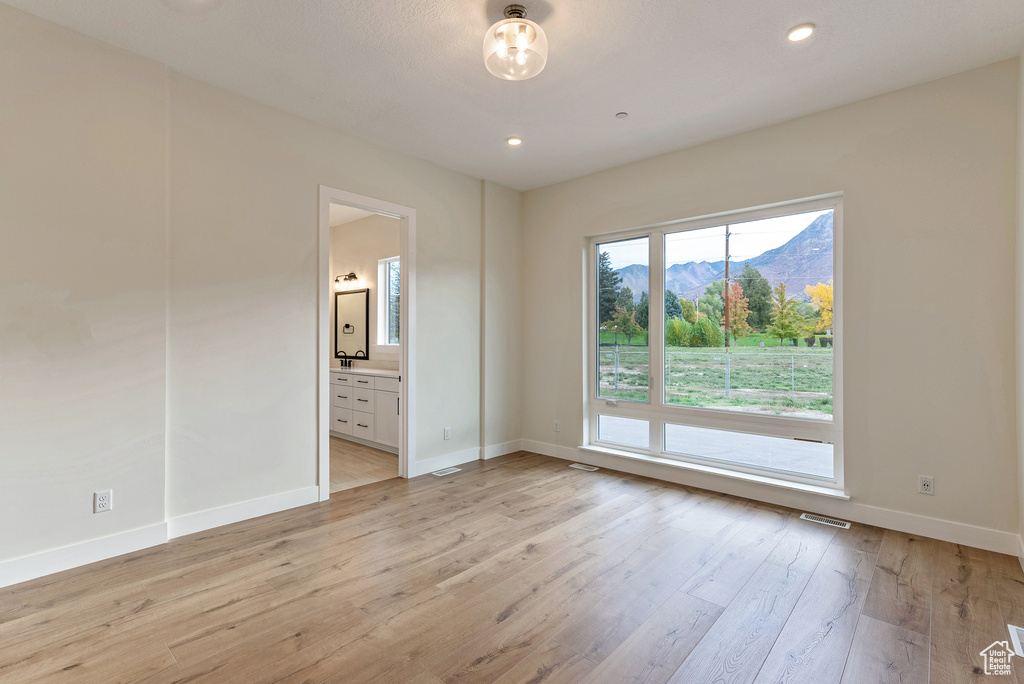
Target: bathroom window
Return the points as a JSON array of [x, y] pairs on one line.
[[388, 301]]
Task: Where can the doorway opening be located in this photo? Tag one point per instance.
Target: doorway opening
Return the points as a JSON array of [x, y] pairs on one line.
[[366, 340]]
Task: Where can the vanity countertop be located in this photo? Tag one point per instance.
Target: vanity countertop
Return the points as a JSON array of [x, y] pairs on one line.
[[384, 372]]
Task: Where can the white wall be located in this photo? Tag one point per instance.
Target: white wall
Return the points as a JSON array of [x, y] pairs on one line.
[[242, 373], [82, 283], [501, 313], [160, 240], [929, 211], [356, 247]]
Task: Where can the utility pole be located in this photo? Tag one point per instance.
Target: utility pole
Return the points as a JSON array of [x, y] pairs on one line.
[[725, 291]]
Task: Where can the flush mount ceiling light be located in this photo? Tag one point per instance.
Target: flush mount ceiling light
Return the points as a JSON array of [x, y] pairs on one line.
[[801, 32], [513, 141], [515, 48]]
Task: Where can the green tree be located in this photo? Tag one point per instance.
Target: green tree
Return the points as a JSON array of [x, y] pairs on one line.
[[625, 324], [608, 282], [759, 297], [673, 309], [643, 309], [711, 304], [689, 311], [786, 321], [625, 300]]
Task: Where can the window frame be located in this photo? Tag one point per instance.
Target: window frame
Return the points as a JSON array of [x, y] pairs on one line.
[[655, 410], [383, 305]]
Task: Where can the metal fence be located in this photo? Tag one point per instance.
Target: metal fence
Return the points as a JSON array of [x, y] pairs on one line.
[[717, 378]]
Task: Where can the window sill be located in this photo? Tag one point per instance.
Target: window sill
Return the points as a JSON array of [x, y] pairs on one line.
[[820, 490]]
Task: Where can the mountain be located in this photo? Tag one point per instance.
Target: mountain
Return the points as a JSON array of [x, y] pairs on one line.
[[634, 277], [692, 275], [805, 260]]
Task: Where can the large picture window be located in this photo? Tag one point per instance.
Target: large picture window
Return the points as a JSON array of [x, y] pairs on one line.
[[741, 316]]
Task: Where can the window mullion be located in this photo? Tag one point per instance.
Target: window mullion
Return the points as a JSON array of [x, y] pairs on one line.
[[656, 334]]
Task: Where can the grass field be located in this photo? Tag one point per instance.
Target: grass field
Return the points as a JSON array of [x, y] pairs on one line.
[[776, 380]]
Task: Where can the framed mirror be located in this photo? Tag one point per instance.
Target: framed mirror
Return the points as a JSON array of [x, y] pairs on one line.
[[352, 324]]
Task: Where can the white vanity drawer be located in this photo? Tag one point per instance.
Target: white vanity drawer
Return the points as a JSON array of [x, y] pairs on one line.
[[364, 381], [341, 420], [362, 399], [341, 379], [362, 425], [386, 384], [341, 396]]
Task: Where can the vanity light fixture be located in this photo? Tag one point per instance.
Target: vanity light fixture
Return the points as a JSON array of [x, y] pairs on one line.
[[339, 282], [515, 48], [801, 32]]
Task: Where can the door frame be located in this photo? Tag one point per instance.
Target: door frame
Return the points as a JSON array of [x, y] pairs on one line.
[[407, 323]]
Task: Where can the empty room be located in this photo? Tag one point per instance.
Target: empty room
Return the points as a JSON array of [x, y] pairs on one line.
[[471, 342]]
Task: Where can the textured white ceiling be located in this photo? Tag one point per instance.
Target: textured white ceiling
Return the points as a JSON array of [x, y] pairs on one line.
[[342, 213], [408, 74]]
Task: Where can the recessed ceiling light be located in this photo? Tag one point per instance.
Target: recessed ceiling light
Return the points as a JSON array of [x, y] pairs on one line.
[[622, 115], [513, 141], [801, 32]]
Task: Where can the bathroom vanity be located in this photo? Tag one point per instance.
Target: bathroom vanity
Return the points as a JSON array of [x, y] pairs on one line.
[[365, 406]]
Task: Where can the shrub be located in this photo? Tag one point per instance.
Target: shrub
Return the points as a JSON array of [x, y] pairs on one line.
[[810, 340], [677, 333], [704, 333]]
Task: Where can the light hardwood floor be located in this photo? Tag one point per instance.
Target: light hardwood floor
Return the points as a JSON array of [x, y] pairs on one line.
[[520, 570], [355, 465]]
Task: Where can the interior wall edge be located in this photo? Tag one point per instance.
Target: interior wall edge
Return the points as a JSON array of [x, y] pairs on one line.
[[448, 460], [503, 449]]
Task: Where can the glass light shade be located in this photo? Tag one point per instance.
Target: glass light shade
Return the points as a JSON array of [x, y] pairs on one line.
[[515, 49]]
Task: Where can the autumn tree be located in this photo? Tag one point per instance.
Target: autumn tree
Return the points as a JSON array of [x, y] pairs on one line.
[[786, 321], [738, 312], [821, 299]]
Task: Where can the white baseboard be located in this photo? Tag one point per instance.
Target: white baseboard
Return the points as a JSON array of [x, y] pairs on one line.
[[66, 557], [946, 530], [495, 450], [232, 513], [455, 458]]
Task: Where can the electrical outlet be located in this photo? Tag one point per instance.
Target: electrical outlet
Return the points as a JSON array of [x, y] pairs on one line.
[[925, 484], [558, 426], [102, 501], [447, 433]]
